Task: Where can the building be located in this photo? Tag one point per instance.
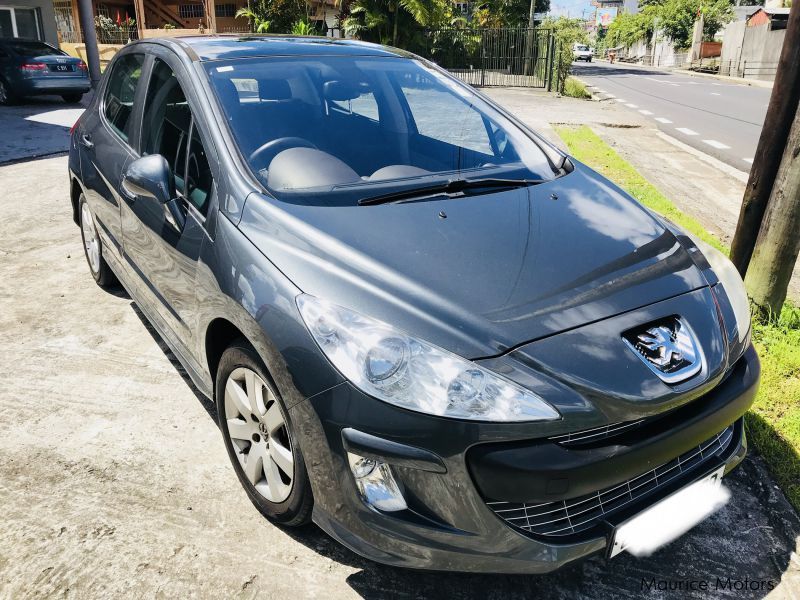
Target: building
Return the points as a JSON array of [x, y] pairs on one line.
[[120, 21], [776, 18], [34, 19]]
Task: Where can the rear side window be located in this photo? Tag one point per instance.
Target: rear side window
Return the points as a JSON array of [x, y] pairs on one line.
[[445, 117], [120, 92], [34, 49]]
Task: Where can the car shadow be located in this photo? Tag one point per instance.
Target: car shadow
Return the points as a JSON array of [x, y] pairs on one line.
[[744, 550]]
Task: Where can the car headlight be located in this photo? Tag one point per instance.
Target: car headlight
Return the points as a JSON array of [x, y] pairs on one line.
[[402, 370], [730, 279]]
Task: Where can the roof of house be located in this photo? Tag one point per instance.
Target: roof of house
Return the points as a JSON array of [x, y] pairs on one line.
[[742, 13], [772, 12], [218, 47]]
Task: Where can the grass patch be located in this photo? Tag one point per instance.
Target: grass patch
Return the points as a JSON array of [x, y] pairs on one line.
[[575, 89], [773, 423]]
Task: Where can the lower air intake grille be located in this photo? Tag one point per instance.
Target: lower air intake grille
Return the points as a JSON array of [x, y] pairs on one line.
[[567, 517]]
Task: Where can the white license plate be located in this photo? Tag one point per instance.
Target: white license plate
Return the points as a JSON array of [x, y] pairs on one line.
[[671, 517]]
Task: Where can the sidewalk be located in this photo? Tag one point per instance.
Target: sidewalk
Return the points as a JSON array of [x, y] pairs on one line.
[[698, 184]]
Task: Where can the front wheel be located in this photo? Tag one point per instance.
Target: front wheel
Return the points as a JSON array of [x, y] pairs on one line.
[[72, 98], [93, 248], [259, 438]]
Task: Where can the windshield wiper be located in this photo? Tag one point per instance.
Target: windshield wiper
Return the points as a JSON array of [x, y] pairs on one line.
[[453, 186]]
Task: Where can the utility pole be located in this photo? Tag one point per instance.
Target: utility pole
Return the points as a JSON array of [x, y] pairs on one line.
[[780, 114], [778, 242], [90, 40]]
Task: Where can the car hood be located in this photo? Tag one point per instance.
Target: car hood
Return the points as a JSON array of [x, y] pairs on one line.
[[483, 274]]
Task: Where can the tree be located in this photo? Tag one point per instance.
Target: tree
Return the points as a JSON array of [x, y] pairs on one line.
[[396, 22], [672, 18], [507, 13], [274, 15]]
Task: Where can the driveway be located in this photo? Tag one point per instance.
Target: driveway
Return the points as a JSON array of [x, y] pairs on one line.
[[114, 480], [37, 127], [720, 118]]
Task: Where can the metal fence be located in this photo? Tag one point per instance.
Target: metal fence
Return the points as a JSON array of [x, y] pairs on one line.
[[113, 35], [522, 57]]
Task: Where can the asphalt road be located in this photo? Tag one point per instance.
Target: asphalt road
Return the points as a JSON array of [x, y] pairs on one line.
[[716, 117]]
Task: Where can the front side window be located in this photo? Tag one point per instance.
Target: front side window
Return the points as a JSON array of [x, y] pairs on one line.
[[345, 126], [121, 91], [169, 129]]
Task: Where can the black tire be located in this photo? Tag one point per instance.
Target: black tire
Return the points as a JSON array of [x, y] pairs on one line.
[[101, 273], [295, 510], [72, 98], [7, 97]]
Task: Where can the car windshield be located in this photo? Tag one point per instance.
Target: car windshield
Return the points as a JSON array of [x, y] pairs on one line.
[[33, 49], [352, 127], [582, 48]]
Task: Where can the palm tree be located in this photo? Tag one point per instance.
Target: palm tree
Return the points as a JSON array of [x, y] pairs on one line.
[[378, 15], [257, 23]]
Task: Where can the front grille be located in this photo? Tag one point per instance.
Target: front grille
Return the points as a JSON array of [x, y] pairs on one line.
[[567, 517], [595, 435]]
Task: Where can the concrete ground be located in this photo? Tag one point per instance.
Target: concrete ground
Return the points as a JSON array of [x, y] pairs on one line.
[[114, 481], [37, 127]]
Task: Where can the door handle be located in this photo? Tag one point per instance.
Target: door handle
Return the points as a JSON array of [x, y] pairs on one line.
[[87, 141]]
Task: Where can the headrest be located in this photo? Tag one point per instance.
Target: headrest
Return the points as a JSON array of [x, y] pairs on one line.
[[274, 89], [339, 91], [228, 94]]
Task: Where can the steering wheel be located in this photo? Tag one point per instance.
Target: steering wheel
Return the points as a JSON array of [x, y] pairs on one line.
[[274, 147]]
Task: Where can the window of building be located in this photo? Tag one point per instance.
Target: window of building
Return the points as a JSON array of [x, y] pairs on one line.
[[20, 23], [191, 11], [121, 91], [225, 10]]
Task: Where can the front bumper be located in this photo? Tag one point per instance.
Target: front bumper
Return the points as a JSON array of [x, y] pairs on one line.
[[453, 472]]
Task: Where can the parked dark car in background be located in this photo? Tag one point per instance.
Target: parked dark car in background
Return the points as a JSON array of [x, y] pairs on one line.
[[33, 68], [425, 328]]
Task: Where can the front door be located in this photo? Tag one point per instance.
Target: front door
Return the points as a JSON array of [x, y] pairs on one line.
[[162, 252], [105, 139]]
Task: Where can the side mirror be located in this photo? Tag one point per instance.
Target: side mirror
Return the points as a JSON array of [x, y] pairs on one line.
[[150, 177]]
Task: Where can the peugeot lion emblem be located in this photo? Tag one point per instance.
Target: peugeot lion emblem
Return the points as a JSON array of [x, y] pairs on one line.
[[668, 347]]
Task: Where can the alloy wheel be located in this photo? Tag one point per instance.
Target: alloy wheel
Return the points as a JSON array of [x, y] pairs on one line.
[[259, 434], [91, 243]]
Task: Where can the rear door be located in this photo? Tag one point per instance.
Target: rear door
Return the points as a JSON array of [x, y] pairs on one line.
[[163, 254], [105, 139]]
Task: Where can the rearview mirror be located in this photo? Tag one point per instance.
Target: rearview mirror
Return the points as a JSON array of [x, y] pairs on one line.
[[150, 177]]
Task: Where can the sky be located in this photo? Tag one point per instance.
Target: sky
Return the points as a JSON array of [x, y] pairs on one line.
[[571, 8]]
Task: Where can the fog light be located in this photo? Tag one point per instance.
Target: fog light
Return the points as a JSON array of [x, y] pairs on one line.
[[376, 483]]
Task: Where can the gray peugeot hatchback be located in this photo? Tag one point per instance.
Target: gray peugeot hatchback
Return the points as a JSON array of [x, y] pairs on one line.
[[426, 329]]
